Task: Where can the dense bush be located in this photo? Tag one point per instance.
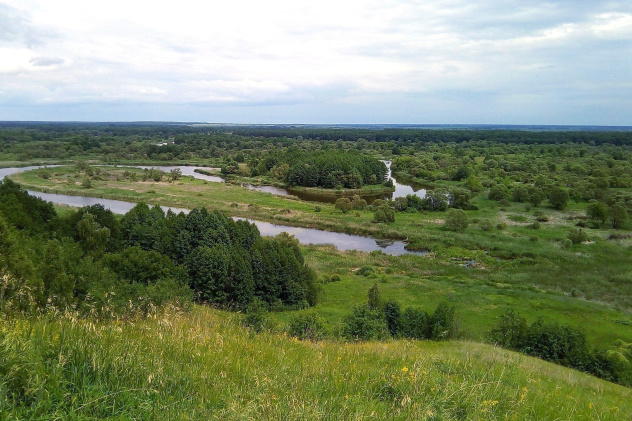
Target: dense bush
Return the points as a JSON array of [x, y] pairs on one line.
[[577, 235], [384, 213], [455, 220], [332, 169], [562, 345], [306, 326], [364, 324]]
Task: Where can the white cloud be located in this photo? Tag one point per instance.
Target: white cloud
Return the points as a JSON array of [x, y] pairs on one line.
[[249, 52]]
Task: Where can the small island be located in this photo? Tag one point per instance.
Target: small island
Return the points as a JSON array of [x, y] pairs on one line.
[[330, 172]]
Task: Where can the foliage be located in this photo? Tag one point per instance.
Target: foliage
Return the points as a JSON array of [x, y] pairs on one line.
[[257, 317], [384, 213], [558, 198], [455, 220], [562, 345], [393, 315], [364, 324], [344, 204], [331, 169], [618, 216], [308, 326], [577, 235], [374, 300], [365, 271], [597, 211]]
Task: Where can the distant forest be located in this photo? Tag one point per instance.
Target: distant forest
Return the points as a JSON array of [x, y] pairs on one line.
[[114, 142]]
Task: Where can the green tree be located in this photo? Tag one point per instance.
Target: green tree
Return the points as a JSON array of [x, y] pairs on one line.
[[374, 299], [520, 194], [558, 198], [364, 324], [384, 213], [618, 216], [597, 211], [308, 326], [498, 192], [392, 314], [455, 220], [93, 237], [344, 204]]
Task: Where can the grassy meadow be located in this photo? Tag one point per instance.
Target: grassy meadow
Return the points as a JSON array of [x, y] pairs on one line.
[[203, 365]]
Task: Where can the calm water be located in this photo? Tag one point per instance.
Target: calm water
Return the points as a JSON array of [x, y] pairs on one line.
[[186, 170], [401, 189], [303, 235]]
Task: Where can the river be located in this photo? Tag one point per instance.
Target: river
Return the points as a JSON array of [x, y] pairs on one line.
[[304, 235]]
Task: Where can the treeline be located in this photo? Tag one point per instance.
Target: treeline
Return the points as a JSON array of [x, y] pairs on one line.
[[563, 345], [116, 142], [93, 262]]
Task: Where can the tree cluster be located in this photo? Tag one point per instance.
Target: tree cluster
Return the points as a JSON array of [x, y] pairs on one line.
[[90, 260], [563, 345]]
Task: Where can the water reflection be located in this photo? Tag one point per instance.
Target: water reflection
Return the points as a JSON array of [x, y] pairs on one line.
[[303, 235]]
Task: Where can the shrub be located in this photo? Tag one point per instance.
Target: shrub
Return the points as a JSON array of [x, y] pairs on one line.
[[256, 315], [358, 203], [344, 204], [443, 323], [577, 235], [510, 331], [364, 324], [365, 271], [558, 198], [392, 314], [597, 211], [374, 299], [306, 326], [563, 345], [534, 226], [498, 192], [455, 220], [486, 225], [384, 214], [618, 216], [414, 324], [520, 194]]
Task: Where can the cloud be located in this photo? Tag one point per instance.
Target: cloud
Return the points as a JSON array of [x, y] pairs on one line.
[[46, 61], [484, 54]]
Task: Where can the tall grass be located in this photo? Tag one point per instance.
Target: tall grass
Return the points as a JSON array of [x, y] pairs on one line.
[[203, 365]]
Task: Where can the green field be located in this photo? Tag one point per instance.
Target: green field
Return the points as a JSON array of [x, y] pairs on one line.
[[203, 365]]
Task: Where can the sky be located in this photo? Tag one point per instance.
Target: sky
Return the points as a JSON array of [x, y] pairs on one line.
[[318, 62]]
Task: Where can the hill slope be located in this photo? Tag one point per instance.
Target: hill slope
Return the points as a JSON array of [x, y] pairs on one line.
[[202, 365]]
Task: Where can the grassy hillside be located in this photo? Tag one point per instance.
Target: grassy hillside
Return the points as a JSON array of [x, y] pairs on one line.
[[203, 365]]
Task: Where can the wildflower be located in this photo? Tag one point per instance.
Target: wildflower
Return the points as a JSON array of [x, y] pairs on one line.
[[405, 370]]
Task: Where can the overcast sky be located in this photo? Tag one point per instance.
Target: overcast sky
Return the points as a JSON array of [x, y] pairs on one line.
[[342, 61]]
